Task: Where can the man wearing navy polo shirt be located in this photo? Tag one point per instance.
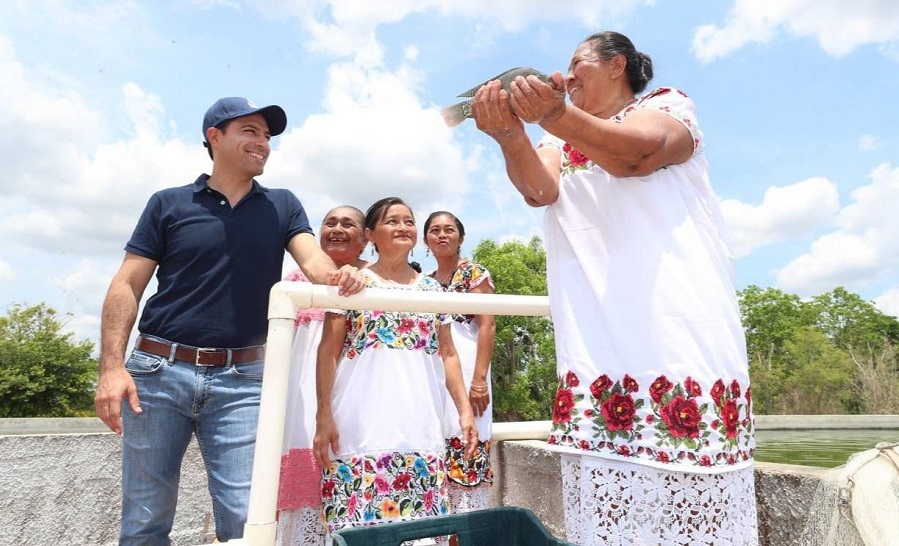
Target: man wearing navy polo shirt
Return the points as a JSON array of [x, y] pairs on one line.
[[217, 247]]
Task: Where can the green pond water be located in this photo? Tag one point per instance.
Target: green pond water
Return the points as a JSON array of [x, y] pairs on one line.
[[826, 448]]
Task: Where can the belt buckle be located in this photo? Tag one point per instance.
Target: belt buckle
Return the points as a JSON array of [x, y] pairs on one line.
[[201, 350]]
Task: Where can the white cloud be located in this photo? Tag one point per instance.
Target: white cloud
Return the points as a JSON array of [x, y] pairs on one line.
[[347, 27], [65, 187], [839, 26], [862, 249], [374, 139], [7, 273], [888, 302], [869, 143], [786, 212]]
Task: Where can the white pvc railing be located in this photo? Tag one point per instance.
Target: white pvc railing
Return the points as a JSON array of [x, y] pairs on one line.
[[284, 300]]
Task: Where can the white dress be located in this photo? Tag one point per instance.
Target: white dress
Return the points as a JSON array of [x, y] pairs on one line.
[[299, 491], [388, 403], [654, 404], [469, 479]]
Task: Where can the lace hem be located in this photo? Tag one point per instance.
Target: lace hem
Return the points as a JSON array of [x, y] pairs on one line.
[[614, 503], [301, 527], [465, 499]]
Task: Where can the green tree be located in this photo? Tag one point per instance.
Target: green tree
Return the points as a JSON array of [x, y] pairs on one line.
[[821, 381], [853, 323], [524, 360], [771, 319], [835, 343], [43, 373]]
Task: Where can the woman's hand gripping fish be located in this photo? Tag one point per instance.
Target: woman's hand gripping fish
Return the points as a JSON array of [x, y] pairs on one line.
[[457, 113]]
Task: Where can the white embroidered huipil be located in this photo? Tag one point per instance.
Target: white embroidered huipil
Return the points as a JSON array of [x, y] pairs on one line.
[[651, 352]]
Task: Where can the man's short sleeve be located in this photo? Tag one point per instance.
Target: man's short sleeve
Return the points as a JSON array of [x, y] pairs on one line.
[[147, 240]]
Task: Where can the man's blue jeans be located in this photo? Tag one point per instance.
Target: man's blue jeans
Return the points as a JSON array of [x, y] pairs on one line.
[[218, 404]]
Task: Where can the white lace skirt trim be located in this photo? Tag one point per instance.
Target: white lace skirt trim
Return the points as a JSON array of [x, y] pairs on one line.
[[462, 499], [302, 527], [611, 503]]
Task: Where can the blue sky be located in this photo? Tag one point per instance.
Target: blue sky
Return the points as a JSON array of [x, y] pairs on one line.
[[101, 104]]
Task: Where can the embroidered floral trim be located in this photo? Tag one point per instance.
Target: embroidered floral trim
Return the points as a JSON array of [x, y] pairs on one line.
[[464, 472], [614, 417], [467, 276], [393, 330], [391, 486]]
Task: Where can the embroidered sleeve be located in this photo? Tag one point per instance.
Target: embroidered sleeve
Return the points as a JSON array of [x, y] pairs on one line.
[[555, 142], [676, 104], [477, 275]]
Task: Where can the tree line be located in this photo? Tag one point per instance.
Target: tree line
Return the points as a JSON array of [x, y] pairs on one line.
[[831, 354]]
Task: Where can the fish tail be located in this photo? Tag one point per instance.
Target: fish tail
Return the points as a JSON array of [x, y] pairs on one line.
[[457, 113]]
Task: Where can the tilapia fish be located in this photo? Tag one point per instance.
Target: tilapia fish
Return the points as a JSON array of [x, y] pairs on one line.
[[457, 113]]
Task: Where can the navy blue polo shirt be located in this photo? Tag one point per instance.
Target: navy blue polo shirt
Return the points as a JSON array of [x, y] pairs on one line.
[[216, 264]]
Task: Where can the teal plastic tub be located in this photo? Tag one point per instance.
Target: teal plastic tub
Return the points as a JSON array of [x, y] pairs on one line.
[[505, 526]]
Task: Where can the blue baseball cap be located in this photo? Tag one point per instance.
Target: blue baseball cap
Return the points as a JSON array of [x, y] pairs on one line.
[[236, 107]]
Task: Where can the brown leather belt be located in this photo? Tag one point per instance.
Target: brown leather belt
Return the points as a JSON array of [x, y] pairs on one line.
[[201, 356]]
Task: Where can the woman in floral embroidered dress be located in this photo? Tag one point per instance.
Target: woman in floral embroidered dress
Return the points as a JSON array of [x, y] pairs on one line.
[[299, 494], [653, 411], [382, 381], [469, 480]]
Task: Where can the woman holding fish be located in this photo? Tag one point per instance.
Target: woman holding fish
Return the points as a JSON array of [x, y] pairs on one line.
[[653, 412]]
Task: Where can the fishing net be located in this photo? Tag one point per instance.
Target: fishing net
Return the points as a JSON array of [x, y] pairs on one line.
[[857, 504]]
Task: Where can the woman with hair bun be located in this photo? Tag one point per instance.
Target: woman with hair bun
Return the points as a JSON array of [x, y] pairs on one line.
[[653, 413], [473, 335]]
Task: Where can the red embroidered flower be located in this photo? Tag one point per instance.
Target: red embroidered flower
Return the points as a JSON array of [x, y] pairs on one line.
[[730, 415], [327, 489], [650, 419], [705, 460], [663, 457], [405, 326], [562, 406], [659, 387], [589, 413], [429, 500], [629, 384], [584, 444], [619, 412], [602, 384], [692, 387], [401, 482], [682, 417], [749, 395], [571, 379], [735, 389], [623, 449], [575, 157], [717, 394]]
